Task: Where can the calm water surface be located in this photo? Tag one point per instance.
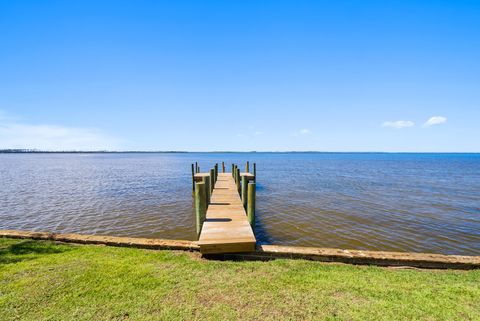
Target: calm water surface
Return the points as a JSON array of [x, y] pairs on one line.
[[401, 202]]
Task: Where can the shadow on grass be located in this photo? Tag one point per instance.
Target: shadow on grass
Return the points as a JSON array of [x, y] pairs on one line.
[[29, 250]]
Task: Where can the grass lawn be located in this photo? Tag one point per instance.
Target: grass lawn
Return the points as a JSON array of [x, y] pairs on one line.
[[42, 280]]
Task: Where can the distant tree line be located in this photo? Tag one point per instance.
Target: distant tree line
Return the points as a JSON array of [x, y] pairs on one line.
[[20, 150]]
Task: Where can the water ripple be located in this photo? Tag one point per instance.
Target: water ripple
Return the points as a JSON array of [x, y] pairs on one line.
[[401, 202]]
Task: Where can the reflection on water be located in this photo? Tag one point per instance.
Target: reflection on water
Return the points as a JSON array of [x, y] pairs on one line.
[[401, 202]]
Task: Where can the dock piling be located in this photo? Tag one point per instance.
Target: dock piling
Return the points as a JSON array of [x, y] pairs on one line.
[[238, 179], [244, 191], [212, 179], [251, 204], [200, 206], [247, 167], [206, 180], [223, 167], [255, 172], [193, 178]]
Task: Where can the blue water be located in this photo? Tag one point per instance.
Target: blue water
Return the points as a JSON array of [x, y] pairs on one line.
[[400, 202]]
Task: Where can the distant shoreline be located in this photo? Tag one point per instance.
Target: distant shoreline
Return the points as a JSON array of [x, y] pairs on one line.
[[32, 151]]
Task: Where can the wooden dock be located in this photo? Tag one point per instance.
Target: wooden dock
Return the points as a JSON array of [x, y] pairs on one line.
[[226, 228]]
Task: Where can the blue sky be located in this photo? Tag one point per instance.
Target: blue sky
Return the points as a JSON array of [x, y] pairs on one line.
[[240, 75]]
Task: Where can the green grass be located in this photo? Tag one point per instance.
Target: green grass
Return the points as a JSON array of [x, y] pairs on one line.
[[42, 280]]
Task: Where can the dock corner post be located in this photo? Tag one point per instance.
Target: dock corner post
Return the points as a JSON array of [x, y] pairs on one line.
[[197, 169], [255, 172], [223, 167], [212, 179], [251, 204], [193, 178], [200, 206], [233, 170], [244, 191], [206, 180], [238, 179], [216, 172], [247, 167]]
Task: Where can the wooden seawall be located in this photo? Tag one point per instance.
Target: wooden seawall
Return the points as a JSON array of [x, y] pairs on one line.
[[268, 252], [225, 219]]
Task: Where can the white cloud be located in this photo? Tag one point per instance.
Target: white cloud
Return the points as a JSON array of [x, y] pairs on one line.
[[435, 120], [15, 135], [302, 132], [398, 124]]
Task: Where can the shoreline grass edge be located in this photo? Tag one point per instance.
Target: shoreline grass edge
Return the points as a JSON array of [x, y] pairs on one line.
[[268, 252]]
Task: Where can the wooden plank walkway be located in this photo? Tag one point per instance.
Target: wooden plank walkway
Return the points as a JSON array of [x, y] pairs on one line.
[[226, 228]]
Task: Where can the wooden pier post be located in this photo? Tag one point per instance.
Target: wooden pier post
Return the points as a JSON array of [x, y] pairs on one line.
[[200, 206], [238, 179], [206, 180], [244, 191], [223, 167], [216, 171], [251, 204], [233, 170], [193, 178], [212, 179], [197, 168], [247, 167], [255, 172]]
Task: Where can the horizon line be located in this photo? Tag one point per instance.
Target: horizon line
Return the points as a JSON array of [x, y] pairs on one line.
[[35, 151]]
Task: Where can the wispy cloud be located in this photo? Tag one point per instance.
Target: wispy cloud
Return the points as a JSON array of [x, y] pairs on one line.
[[398, 124], [435, 120], [18, 135], [302, 132]]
